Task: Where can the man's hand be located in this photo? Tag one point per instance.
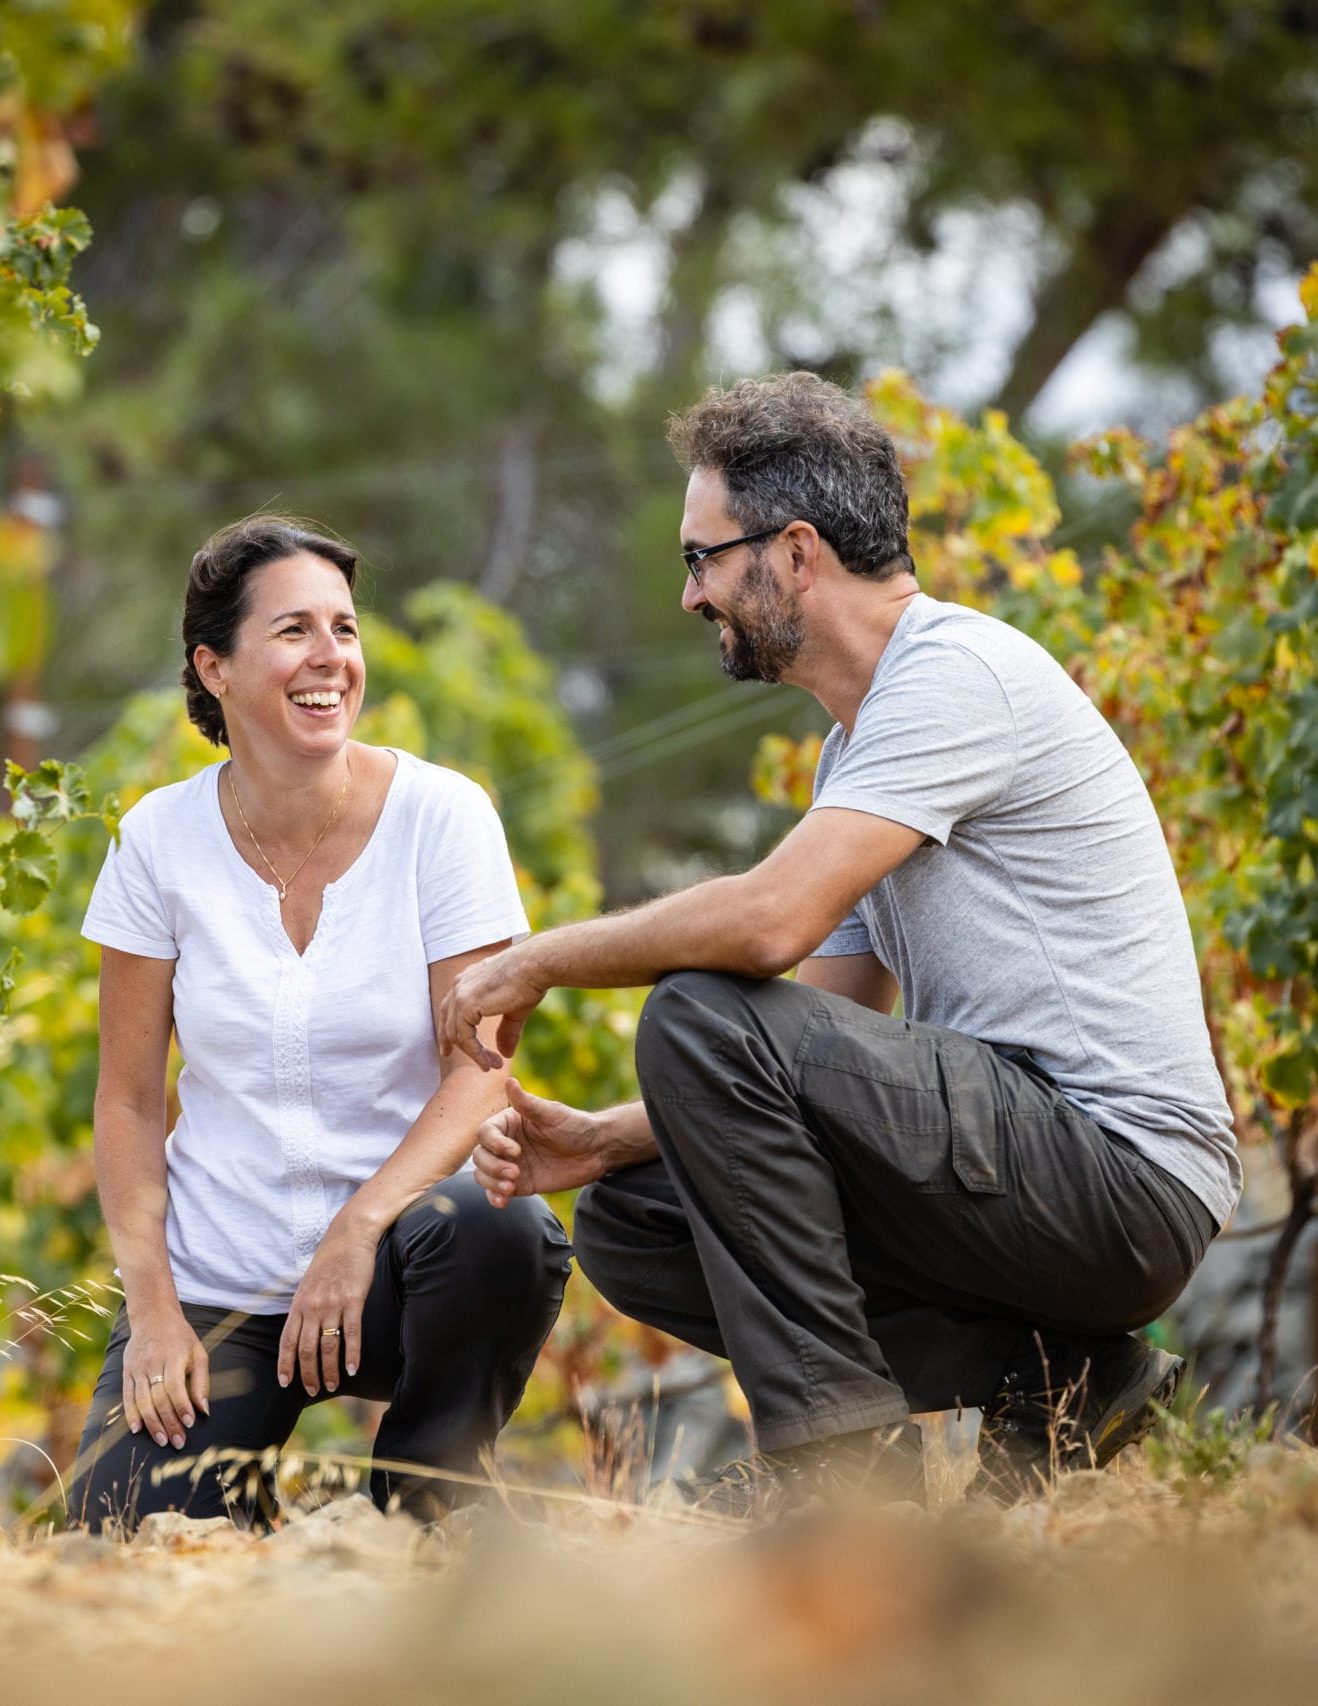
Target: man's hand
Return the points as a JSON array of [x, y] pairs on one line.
[[535, 1145], [501, 984]]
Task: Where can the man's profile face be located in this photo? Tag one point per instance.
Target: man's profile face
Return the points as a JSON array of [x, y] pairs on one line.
[[760, 626]]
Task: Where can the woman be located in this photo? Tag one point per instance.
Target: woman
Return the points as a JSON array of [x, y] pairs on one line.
[[295, 916]]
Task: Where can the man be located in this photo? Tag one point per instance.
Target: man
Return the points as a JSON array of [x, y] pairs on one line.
[[977, 1203]]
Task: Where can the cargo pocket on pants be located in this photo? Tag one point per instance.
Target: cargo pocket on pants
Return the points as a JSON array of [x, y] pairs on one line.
[[873, 1082], [969, 1087]]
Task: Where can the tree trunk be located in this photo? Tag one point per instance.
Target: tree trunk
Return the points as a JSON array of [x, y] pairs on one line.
[[515, 483], [1103, 262], [693, 282]]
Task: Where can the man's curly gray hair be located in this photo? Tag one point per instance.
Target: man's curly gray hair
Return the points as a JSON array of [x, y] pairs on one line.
[[792, 446]]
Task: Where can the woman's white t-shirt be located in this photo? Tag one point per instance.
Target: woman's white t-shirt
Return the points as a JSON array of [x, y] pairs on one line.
[[302, 1074]]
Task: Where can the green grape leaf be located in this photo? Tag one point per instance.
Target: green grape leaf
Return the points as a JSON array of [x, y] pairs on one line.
[[27, 871], [52, 793]]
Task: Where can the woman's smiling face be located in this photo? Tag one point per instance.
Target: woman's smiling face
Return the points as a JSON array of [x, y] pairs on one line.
[[294, 681]]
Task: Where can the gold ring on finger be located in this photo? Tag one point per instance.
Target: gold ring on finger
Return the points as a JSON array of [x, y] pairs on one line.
[[330, 1332]]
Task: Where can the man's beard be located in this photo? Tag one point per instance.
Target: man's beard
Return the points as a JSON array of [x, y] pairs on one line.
[[768, 634]]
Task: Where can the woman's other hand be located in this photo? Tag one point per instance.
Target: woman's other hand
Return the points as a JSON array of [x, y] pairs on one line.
[[535, 1145], [326, 1311], [166, 1378]]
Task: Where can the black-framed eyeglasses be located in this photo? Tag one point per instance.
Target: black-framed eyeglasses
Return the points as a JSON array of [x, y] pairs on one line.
[[695, 559]]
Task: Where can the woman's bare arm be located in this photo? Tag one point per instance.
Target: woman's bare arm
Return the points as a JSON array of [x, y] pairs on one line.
[[137, 1017]]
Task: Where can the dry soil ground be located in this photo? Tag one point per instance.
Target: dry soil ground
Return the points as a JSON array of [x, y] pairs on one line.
[[1119, 1589]]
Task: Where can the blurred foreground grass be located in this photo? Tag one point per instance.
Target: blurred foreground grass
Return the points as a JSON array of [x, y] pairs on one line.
[[1122, 1587]]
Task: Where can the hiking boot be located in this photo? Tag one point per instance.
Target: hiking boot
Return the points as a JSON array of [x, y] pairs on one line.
[[1069, 1404], [881, 1463]]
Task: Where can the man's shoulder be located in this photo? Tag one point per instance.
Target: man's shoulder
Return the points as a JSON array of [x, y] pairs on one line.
[[935, 625], [947, 642]]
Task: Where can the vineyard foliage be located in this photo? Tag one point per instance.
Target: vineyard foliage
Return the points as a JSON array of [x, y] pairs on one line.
[[52, 57]]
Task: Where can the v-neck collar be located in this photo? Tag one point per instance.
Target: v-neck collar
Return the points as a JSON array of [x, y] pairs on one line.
[[332, 892]]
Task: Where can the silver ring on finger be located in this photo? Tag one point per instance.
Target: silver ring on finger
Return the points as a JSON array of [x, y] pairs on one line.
[[331, 1332], [155, 1379]]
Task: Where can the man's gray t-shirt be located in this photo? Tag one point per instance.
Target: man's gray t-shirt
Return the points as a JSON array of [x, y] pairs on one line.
[[1042, 911]]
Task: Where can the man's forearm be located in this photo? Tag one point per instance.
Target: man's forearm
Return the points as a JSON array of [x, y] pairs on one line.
[[719, 925], [758, 924], [625, 1136]]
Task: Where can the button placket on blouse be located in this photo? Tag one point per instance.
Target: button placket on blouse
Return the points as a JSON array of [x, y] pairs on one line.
[[297, 1119]]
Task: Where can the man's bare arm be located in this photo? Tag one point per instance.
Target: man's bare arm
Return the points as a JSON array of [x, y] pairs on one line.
[[757, 924], [536, 1145]]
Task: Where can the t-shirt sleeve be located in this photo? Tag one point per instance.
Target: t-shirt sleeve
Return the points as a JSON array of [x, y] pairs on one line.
[[934, 744], [126, 910], [850, 937], [468, 891]]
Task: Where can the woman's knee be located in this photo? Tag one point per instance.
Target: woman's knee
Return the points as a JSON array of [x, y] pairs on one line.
[[454, 1238]]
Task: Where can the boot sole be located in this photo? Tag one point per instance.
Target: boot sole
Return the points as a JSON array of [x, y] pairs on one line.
[[1135, 1413]]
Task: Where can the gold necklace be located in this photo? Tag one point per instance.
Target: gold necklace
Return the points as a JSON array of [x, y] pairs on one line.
[[283, 885]]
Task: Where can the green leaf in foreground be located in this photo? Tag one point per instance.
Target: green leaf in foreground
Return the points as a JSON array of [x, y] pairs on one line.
[[28, 871]]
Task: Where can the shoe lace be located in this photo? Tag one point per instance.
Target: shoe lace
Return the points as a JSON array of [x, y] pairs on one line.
[[1021, 1405]]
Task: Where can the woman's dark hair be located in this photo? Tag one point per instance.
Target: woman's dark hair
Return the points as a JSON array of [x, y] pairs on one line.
[[218, 598]]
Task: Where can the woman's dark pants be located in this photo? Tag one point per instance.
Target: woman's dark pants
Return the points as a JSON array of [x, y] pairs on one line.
[[463, 1298], [866, 1215]]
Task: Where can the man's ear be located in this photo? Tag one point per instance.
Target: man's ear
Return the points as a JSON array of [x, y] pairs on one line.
[[210, 670], [804, 543]]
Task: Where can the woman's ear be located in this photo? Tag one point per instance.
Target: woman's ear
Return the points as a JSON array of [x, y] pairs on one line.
[[210, 670]]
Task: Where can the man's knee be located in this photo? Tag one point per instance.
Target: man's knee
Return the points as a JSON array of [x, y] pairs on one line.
[[678, 993], [682, 1014]]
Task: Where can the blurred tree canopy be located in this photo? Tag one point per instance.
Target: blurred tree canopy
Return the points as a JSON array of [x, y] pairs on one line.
[[351, 259]]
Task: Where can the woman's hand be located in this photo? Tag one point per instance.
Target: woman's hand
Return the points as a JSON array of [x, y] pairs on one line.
[[331, 1296], [166, 1378], [535, 1145]]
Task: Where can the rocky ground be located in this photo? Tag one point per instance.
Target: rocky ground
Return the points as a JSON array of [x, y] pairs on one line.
[[1198, 1583]]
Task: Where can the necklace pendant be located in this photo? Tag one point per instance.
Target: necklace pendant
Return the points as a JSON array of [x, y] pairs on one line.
[[283, 894]]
